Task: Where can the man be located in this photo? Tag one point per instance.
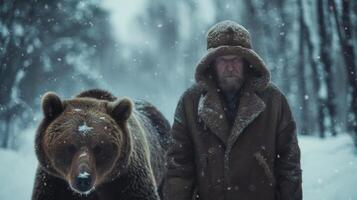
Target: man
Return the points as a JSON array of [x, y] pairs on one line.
[[233, 133]]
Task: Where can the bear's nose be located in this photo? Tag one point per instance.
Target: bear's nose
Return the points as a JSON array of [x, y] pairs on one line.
[[83, 181]]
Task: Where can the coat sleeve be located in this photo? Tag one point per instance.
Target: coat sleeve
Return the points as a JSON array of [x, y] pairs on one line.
[[180, 177], [287, 168]]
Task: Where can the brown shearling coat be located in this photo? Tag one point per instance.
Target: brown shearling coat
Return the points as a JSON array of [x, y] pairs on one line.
[[258, 157]]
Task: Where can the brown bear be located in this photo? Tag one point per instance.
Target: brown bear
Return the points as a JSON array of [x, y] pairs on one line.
[[96, 146]]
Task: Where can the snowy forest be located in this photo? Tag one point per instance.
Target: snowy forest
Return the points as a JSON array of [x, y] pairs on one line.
[[147, 49]]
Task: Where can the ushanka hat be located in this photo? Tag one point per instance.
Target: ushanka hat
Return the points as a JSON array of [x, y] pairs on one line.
[[231, 38]]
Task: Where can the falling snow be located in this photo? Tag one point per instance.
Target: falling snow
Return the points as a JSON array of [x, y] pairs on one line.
[[167, 45]]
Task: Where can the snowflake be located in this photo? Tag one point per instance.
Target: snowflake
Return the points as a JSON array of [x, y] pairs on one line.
[[84, 129], [83, 175]]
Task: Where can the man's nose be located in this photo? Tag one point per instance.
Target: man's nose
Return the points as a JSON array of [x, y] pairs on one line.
[[230, 67]]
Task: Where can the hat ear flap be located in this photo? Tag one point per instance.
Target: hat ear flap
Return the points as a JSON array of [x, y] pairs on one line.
[[52, 105]]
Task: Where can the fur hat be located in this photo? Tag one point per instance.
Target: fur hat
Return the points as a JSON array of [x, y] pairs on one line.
[[231, 38]]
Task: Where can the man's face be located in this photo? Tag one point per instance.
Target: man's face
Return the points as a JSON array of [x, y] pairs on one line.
[[230, 72]]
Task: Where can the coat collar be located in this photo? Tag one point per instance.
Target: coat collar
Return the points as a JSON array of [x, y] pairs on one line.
[[250, 106], [210, 110]]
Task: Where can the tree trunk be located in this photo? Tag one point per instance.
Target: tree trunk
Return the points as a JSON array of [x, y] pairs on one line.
[[283, 45], [316, 82], [301, 72], [348, 54], [325, 47]]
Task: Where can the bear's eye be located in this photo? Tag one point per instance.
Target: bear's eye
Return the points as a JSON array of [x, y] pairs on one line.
[[64, 155], [104, 155], [97, 150], [71, 149]]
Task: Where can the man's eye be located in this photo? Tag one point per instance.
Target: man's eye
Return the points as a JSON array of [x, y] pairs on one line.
[[237, 61], [221, 62]]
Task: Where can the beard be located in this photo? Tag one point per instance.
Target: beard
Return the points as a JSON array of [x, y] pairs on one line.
[[230, 83]]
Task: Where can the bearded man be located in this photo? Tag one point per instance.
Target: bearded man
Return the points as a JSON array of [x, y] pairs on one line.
[[234, 136]]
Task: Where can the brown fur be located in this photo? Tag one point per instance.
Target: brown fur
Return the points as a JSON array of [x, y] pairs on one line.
[[122, 149]]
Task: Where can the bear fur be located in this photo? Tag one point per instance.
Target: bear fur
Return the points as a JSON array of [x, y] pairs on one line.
[[96, 146]]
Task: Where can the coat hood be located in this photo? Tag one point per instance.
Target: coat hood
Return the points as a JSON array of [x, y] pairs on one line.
[[231, 38]]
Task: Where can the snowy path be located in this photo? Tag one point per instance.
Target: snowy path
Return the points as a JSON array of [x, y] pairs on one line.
[[329, 170]]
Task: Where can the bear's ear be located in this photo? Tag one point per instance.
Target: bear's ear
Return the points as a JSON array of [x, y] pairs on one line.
[[120, 109], [51, 105]]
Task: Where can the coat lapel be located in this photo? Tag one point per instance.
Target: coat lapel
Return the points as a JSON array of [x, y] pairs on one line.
[[210, 110], [250, 106]]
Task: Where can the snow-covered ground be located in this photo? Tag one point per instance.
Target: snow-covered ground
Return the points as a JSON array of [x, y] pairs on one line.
[[329, 169], [17, 170]]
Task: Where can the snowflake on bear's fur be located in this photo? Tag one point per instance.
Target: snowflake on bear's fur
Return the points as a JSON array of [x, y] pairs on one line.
[[83, 175], [84, 129]]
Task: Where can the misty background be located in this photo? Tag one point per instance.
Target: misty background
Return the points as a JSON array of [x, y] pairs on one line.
[[148, 49]]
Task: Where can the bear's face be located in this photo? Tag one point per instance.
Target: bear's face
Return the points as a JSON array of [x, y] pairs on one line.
[[84, 139]]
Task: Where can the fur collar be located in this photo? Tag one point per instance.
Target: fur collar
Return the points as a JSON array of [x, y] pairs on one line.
[[210, 110]]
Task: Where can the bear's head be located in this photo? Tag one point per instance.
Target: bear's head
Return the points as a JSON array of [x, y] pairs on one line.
[[84, 141]]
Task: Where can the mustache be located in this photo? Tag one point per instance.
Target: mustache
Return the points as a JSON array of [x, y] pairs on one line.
[[230, 74]]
